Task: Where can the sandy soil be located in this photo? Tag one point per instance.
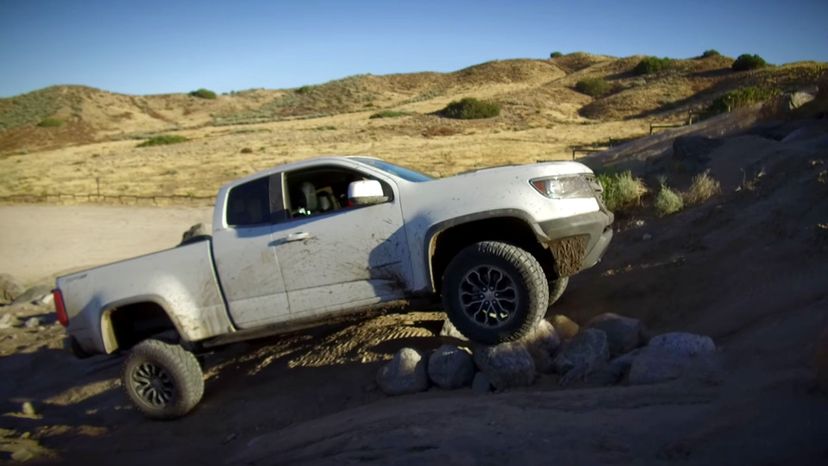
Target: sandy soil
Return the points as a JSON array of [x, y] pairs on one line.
[[747, 268], [38, 241]]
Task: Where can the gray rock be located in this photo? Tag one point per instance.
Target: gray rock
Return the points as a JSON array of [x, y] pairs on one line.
[[564, 326], [481, 384], [683, 344], [32, 322], [7, 321], [449, 330], [690, 153], [450, 367], [675, 355], [10, 288], [506, 365], [35, 295], [405, 373], [586, 351], [612, 372], [623, 333], [798, 99], [196, 232], [542, 342]]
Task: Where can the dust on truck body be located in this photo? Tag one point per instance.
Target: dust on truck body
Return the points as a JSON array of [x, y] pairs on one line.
[[303, 243]]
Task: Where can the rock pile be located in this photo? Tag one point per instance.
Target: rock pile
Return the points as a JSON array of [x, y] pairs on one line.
[[609, 349]]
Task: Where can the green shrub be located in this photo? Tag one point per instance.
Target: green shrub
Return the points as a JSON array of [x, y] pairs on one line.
[[710, 53], [593, 87], [702, 188], [747, 62], [389, 114], [304, 89], [555, 54], [470, 108], [621, 190], [667, 201], [246, 150], [203, 94], [650, 65], [162, 140], [50, 123], [739, 98]]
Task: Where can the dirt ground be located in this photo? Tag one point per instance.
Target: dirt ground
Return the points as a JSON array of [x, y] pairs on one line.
[[747, 268]]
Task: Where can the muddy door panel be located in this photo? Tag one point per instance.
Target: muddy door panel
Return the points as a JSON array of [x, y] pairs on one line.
[[339, 259], [250, 276]]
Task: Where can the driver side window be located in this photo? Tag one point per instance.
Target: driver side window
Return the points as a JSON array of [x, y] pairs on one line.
[[321, 190]]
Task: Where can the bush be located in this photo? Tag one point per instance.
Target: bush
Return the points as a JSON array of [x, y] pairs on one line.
[[702, 188], [667, 201], [203, 94], [50, 123], [593, 87], [163, 140], [389, 114], [555, 54], [621, 190], [304, 89], [652, 65], [739, 98], [246, 150], [470, 108], [710, 53], [747, 62]]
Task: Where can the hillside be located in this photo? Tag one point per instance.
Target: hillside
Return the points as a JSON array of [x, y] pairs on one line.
[[92, 134]]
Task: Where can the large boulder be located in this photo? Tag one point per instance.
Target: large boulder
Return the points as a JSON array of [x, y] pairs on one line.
[[564, 326], [450, 367], [405, 373], [506, 365], [542, 342], [10, 288], [588, 350], [672, 356], [623, 333]]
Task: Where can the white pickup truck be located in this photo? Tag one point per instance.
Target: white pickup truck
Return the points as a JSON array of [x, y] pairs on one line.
[[302, 243]]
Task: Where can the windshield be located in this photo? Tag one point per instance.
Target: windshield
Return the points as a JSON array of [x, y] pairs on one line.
[[404, 173]]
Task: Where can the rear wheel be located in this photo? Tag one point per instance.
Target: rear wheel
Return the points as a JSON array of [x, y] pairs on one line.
[[163, 380], [494, 292]]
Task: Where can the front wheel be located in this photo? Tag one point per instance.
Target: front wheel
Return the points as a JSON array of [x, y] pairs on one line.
[[494, 292], [556, 289], [163, 380]]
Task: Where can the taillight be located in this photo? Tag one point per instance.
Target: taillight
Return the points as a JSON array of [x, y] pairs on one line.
[[60, 308]]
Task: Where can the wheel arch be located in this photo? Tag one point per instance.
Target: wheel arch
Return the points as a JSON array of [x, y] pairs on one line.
[[445, 239], [126, 322]]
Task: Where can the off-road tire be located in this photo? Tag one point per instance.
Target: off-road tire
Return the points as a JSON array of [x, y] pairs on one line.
[[163, 380], [529, 292], [556, 289]]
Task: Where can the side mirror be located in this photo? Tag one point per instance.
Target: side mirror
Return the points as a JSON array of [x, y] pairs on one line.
[[366, 192]]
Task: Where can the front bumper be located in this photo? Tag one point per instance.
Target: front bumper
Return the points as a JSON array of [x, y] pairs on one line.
[[578, 242]]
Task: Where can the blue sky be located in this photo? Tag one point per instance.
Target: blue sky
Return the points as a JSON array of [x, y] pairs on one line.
[[149, 46]]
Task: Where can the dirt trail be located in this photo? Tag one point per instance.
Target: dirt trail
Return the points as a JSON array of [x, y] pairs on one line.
[[37, 241]]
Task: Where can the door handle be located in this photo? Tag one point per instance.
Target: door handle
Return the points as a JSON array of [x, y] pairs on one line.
[[298, 236]]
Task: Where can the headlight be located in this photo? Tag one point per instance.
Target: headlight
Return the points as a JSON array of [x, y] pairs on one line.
[[563, 187]]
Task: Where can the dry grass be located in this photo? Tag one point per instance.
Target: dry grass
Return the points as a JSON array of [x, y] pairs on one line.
[[541, 118], [702, 188], [667, 201]]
